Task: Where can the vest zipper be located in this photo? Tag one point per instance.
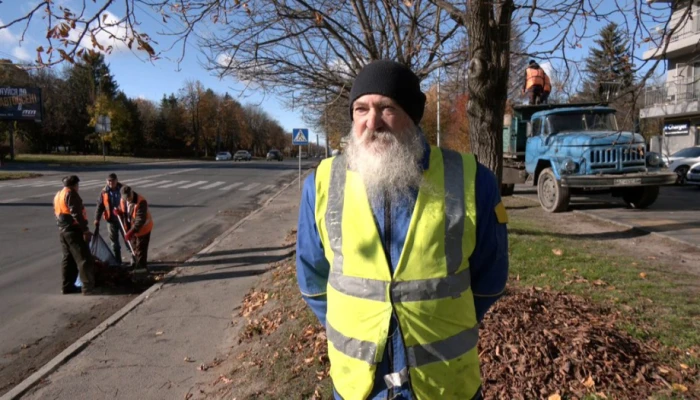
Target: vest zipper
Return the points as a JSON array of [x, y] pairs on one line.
[[387, 241]]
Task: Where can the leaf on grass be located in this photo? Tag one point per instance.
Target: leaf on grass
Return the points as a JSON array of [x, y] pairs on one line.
[[663, 371], [589, 383], [599, 282], [679, 388], [555, 396], [684, 366], [643, 275], [557, 252]]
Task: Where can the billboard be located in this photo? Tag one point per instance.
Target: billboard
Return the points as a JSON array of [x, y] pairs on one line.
[[676, 128], [20, 104]]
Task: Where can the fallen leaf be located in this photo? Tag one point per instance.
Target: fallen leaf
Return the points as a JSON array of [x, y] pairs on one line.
[[599, 282], [589, 383], [601, 395], [684, 366], [643, 275], [663, 370], [679, 388], [557, 252], [187, 359], [159, 333], [554, 397]]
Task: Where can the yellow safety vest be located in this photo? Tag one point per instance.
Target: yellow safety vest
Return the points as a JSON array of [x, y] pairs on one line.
[[430, 290]]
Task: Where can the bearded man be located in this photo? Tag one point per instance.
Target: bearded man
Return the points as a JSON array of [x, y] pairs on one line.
[[401, 250]]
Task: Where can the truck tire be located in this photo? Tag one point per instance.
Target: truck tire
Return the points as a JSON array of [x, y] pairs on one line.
[[641, 197], [507, 189], [552, 196]]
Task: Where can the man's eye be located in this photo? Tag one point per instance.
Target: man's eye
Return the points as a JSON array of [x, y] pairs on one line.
[[360, 110]]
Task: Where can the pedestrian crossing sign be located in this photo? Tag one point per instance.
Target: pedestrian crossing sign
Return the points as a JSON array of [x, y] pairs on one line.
[[300, 137]]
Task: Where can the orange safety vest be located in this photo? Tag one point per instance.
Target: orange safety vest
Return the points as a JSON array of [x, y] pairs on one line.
[[547, 84], [148, 226], [535, 77], [105, 200], [60, 208]]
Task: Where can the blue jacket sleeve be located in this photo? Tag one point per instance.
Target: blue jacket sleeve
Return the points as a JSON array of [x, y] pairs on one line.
[[312, 266], [489, 261]]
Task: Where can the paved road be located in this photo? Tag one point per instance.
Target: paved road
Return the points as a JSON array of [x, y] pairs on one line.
[[191, 203], [675, 214]]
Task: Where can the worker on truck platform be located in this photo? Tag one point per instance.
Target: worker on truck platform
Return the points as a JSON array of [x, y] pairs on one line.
[[72, 222], [139, 224], [534, 82], [401, 250], [109, 199]]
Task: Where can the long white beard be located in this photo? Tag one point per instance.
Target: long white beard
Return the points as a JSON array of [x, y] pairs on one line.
[[387, 163]]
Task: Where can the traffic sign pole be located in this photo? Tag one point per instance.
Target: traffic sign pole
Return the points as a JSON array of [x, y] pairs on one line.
[[300, 137], [299, 167]]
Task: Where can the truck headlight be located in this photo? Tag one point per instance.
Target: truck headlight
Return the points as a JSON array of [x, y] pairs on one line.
[[569, 166], [653, 159]]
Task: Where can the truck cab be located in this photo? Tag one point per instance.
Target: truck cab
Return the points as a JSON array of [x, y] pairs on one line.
[[573, 147]]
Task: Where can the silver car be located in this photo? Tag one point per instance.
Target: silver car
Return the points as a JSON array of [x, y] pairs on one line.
[[693, 176]]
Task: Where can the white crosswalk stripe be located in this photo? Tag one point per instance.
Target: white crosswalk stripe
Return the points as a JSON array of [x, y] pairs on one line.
[[169, 185], [140, 184], [268, 187], [249, 187], [191, 185], [213, 185], [229, 187], [155, 184]]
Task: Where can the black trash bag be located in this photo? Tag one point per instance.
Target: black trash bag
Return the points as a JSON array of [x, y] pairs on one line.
[[101, 251]]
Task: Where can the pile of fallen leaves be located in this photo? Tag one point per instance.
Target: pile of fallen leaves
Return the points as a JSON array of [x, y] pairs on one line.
[[540, 344]]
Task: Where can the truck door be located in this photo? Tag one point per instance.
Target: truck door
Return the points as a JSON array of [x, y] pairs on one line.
[[535, 146]]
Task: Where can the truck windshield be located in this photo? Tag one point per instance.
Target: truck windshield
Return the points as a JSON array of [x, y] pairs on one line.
[[582, 122]]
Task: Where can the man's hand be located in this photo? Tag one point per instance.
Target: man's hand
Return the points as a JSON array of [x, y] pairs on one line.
[[129, 235], [97, 223], [87, 235], [118, 212]]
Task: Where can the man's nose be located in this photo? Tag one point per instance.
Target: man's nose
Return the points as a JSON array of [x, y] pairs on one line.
[[374, 120]]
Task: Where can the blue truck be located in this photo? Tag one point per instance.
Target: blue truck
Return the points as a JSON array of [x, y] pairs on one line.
[[566, 149]]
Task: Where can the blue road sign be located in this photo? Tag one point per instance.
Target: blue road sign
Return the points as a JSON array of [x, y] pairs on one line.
[[300, 137]]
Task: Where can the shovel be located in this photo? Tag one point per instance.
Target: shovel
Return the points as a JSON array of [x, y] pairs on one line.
[[131, 249]]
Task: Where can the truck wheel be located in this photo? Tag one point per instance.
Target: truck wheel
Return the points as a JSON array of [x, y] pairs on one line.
[[507, 189], [553, 197], [641, 197]]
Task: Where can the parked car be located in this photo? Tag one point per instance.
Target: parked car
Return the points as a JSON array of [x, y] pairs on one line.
[[223, 156], [693, 176], [680, 162], [274, 155], [242, 155]]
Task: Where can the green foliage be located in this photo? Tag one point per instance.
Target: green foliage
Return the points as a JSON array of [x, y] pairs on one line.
[[609, 69]]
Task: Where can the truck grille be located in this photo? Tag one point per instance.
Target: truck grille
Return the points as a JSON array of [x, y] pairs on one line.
[[618, 158]]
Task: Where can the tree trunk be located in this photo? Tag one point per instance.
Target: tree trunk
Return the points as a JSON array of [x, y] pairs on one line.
[[488, 27]]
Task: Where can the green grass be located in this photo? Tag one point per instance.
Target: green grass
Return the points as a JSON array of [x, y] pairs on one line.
[[6, 176], [662, 305], [73, 159]]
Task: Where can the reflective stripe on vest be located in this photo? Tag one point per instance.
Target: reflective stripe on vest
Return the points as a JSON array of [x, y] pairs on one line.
[[429, 292], [535, 77]]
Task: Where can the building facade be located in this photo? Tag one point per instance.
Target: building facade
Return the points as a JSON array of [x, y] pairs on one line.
[[677, 101]]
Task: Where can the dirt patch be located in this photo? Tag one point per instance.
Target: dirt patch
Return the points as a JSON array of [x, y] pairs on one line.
[[663, 254], [26, 360], [536, 343]]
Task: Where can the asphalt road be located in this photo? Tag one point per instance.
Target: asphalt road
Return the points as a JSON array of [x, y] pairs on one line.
[[191, 203], [675, 214]]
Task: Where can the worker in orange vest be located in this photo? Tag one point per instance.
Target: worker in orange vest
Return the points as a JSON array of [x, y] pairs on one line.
[[139, 224], [534, 82], [75, 235], [110, 198], [546, 90]]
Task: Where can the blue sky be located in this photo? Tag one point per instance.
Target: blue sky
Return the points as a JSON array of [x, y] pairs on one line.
[[138, 77]]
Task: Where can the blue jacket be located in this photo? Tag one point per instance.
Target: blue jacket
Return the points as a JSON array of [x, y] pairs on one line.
[[488, 262]]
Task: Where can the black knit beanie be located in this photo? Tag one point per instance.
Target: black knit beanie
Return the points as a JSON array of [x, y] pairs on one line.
[[390, 79]]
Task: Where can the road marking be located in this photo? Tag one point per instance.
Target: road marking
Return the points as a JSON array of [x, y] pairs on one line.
[[268, 187], [172, 184], [154, 184], [191, 185], [229, 187], [142, 182], [251, 186], [213, 185]]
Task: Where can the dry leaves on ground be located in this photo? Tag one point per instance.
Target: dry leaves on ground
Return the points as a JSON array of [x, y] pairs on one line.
[[541, 344]]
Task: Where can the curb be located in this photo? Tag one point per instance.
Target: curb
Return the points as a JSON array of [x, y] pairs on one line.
[[622, 224], [86, 339]]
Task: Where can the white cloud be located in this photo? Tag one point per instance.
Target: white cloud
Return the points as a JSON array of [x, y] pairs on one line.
[[113, 34], [6, 37], [21, 53]]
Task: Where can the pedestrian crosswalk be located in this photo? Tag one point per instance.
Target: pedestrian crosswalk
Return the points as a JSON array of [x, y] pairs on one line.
[[150, 184]]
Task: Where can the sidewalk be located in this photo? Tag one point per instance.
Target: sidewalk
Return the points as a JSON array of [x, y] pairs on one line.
[[158, 349]]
